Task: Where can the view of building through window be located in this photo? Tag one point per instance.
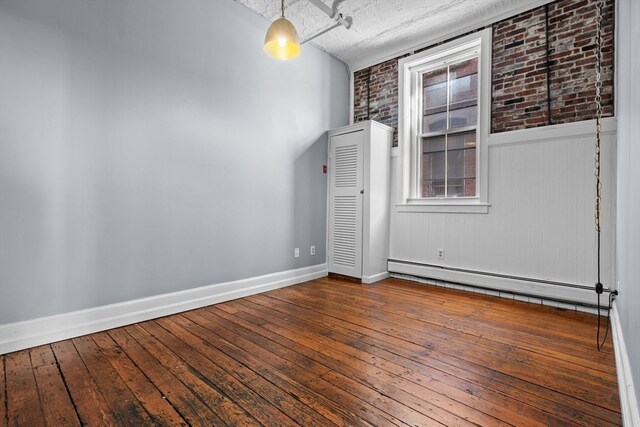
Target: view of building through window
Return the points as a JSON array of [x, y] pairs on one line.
[[449, 120]]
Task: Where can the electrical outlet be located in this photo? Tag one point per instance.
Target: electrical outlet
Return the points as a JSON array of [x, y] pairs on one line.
[[313, 250], [296, 253], [440, 253]]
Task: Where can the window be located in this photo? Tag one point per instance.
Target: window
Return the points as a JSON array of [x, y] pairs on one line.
[[449, 99], [444, 119]]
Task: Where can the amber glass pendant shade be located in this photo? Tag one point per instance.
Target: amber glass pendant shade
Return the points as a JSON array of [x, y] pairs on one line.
[[281, 41]]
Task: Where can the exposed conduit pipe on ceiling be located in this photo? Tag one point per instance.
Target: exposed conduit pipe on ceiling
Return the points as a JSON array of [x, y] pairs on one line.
[[319, 33], [331, 12]]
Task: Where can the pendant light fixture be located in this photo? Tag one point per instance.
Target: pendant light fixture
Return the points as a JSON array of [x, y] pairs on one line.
[[281, 40]]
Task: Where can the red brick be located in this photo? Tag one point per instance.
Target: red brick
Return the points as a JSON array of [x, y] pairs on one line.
[[571, 70]]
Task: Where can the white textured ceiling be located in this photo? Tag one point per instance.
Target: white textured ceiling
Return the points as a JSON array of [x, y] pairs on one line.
[[383, 28]]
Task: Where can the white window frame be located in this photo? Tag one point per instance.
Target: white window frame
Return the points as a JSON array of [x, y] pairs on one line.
[[409, 70]]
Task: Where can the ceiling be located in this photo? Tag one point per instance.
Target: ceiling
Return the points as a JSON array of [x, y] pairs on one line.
[[383, 29]]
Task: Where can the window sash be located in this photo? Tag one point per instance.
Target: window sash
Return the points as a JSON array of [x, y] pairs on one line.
[[447, 175], [420, 135]]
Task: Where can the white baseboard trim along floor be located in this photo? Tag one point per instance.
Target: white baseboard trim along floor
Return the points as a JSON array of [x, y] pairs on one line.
[[30, 333], [628, 402]]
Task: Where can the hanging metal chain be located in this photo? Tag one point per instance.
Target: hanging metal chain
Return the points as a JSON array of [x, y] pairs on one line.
[[282, 7], [599, 288], [598, 100]]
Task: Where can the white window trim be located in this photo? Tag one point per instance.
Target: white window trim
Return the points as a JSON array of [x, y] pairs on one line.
[[409, 201]]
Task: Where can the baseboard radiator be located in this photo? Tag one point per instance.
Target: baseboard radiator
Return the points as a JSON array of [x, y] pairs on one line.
[[557, 293]]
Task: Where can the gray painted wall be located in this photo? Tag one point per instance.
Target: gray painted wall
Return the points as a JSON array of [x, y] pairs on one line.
[[628, 216], [151, 146]]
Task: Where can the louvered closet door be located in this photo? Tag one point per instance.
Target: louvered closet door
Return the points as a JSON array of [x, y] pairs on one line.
[[345, 204]]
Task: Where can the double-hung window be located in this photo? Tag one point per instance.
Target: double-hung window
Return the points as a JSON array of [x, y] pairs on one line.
[[448, 125], [444, 120]]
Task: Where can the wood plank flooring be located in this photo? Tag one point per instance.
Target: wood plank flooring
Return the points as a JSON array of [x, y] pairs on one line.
[[326, 352]]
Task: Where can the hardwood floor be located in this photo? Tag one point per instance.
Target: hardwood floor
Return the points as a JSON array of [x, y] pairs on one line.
[[326, 352]]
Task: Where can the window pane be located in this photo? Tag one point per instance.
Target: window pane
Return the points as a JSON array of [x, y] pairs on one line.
[[435, 96], [463, 117], [434, 100], [434, 122], [455, 164], [434, 143], [461, 187], [462, 140], [464, 93], [470, 163], [470, 187], [461, 172], [434, 86], [461, 163], [464, 81], [455, 187], [433, 188], [433, 166]]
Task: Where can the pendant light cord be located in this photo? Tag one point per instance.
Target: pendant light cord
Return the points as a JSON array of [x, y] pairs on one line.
[[606, 331], [282, 7]]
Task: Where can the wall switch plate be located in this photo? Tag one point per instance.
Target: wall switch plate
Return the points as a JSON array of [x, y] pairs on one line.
[[296, 253], [313, 250], [440, 253]]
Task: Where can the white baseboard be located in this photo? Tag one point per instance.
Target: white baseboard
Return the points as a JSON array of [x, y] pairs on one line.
[[375, 277], [628, 402], [534, 289], [30, 333]]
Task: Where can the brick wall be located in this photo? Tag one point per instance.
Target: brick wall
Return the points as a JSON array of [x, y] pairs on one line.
[[520, 67], [375, 95], [519, 88]]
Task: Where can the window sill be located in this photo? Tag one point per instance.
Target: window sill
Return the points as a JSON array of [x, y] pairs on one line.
[[418, 205]]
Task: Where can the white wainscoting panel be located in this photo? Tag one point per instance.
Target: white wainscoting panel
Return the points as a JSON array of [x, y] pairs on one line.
[[30, 333], [540, 223]]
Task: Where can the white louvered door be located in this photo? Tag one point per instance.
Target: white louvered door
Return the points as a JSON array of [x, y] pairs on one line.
[[345, 203]]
